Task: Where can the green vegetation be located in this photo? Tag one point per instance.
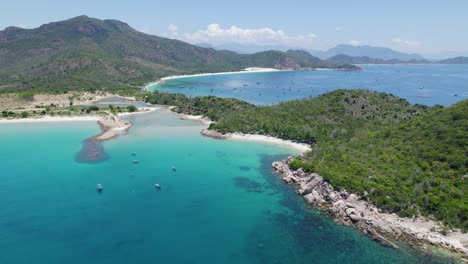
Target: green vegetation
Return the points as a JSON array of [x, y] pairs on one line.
[[131, 108], [84, 53], [53, 110], [211, 107], [406, 159]]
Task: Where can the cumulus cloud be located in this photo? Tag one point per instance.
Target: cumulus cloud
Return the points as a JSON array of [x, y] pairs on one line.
[[354, 42], [215, 34], [406, 42], [172, 28]]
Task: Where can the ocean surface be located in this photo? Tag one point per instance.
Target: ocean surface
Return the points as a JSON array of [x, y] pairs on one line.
[[223, 204], [421, 84]]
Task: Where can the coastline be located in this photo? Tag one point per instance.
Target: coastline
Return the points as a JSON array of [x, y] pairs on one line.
[[246, 70], [350, 210], [111, 125], [198, 118], [347, 209], [301, 148], [51, 119]]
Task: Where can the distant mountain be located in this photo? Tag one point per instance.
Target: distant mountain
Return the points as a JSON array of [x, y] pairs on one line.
[[248, 49], [456, 60], [88, 53], [441, 55], [367, 51], [345, 59], [205, 45]]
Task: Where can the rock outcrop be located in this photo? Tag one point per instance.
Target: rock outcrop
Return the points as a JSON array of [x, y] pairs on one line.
[[213, 134], [351, 210]]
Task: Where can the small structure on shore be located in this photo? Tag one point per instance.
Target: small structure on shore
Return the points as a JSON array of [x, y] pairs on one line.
[[99, 187], [112, 126]]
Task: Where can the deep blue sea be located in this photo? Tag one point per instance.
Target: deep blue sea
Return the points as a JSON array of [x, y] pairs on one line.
[[223, 204], [419, 84]]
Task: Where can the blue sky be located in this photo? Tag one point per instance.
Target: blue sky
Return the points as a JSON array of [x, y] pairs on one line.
[[413, 26]]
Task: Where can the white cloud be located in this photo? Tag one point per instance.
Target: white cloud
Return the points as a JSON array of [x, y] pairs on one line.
[[406, 42], [338, 29], [215, 34], [21, 26], [354, 42], [172, 28]]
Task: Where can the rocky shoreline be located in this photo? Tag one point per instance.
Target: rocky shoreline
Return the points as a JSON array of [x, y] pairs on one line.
[[349, 209]]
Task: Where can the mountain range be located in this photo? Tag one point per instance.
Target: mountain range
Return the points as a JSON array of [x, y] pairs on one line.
[[348, 54], [369, 51], [88, 53]]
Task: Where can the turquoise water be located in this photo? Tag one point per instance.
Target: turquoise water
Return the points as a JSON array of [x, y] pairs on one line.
[[221, 205], [421, 84]]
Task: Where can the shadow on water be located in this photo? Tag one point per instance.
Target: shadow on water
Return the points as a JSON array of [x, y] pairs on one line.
[[299, 234], [91, 152]]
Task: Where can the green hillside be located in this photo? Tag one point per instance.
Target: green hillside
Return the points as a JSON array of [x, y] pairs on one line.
[[84, 53], [405, 158]]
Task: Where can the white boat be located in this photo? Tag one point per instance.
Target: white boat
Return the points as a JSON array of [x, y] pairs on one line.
[[99, 187], [174, 168], [157, 186]]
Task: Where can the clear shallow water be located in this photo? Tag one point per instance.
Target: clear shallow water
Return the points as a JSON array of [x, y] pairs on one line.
[[222, 205], [422, 84]]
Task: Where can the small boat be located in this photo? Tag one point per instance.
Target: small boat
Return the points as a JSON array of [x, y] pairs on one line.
[[135, 161], [99, 187], [245, 85], [174, 168], [157, 186], [133, 154]]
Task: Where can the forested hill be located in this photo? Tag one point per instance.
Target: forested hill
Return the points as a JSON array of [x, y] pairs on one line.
[[88, 53], [405, 158]]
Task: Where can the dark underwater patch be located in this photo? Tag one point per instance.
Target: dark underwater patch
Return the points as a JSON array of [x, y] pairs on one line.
[[91, 152], [245, 168], [248, 184]]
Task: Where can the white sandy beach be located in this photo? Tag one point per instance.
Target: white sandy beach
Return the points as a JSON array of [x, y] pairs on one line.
[[198, 118], [50, 119], [300, 147], [141, 110], [71, 118], [246, 70]]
